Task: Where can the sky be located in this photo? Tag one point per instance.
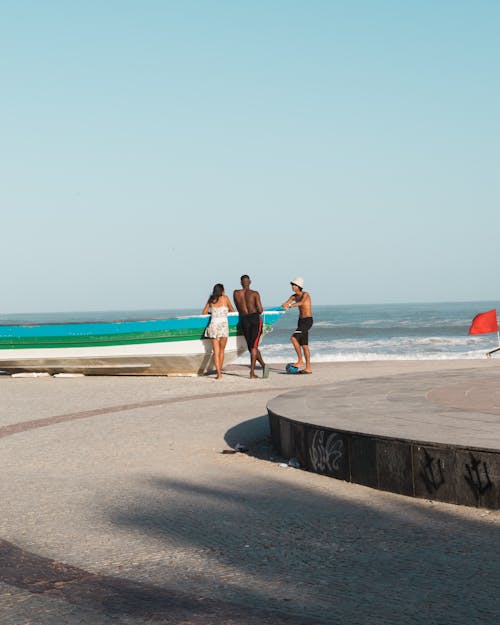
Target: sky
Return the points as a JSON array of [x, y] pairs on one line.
[[150, 149]]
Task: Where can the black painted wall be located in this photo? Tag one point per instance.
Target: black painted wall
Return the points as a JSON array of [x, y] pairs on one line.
[[469, 477]]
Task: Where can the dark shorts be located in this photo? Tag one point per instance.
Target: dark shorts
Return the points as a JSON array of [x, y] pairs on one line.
[[302, 331], [251, 326]]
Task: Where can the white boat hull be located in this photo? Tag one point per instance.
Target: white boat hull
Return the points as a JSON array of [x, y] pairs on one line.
[[176, 358]]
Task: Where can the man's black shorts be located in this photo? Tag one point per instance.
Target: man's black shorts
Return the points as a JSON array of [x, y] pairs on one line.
[[251, 326], [302, 331]]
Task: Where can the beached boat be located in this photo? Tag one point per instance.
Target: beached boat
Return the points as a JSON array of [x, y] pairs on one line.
[[173, 346]]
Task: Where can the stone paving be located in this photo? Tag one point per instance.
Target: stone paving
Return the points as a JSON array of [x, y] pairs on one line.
[[119, 507], [448, 409]]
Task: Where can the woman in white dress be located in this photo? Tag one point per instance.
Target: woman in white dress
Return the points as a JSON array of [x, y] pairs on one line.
[[218, 305]]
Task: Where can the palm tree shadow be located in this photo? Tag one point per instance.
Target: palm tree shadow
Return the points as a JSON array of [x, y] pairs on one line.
[[308, 553], [118, 597]]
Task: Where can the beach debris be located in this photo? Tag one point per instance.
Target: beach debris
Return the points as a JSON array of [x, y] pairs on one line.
[[69, 375], [283, 465], [276, 458], [182, 375], [239, 447], [294, 463], [31, 374]]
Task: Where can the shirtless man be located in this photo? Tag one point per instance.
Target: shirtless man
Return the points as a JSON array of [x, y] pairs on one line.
[[300, 338], [249, 307]]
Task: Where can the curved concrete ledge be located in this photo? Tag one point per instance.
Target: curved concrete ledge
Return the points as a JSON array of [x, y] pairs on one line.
[[416, 435]]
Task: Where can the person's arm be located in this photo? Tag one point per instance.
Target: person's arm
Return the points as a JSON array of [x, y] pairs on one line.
[[235, 299], [258, 304], [205, 310], [229, 305], [289, 302]]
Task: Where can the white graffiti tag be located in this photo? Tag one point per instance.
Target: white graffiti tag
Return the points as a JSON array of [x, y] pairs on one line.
[[326, 454]]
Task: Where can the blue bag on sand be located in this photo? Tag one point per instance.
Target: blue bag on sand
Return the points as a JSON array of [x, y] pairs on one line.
[[291, 368]]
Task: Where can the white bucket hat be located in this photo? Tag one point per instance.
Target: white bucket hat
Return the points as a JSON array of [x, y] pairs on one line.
[[298, 282]]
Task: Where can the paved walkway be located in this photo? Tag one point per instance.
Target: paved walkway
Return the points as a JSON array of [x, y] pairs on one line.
[[119, 507]]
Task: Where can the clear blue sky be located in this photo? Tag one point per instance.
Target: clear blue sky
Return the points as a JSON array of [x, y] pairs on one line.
[[151, 149]]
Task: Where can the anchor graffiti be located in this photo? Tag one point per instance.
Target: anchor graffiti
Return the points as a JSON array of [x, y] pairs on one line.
[[432, 473], [478, 480]]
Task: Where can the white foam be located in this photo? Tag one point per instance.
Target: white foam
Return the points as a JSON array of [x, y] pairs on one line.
[[370, 356], [402, 348]]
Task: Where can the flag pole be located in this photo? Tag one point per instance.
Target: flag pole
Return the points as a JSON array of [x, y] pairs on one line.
[[498, 348]]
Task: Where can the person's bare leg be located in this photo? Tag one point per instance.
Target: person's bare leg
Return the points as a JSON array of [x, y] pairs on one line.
[[307, 355], [300, 362], [222, 347], [215, 346], [253, 359], [260, 360], [265, 368]]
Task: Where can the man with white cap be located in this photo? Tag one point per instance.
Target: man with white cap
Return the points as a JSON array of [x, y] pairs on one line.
[[300, 338]]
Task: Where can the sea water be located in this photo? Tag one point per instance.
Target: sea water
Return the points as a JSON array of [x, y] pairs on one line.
[[425, 331], [415, 331]]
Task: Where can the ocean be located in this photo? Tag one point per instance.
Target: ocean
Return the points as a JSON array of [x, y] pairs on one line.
[[430, 331]]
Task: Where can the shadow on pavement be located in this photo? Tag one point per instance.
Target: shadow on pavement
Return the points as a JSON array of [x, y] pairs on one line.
[[316, 556], [119, 597], [252, 433]]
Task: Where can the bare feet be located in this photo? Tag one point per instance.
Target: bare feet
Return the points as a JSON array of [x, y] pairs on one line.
[[298, 364]]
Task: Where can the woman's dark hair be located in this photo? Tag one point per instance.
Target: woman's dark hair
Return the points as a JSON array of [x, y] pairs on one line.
[[218, 290]]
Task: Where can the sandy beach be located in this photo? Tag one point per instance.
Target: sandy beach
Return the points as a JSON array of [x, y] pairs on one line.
[[118, 506]]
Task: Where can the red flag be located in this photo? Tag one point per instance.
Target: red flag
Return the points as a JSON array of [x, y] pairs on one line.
[[483, 323]]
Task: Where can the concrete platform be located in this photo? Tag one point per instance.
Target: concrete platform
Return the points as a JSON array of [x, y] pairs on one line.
[[422, 435]]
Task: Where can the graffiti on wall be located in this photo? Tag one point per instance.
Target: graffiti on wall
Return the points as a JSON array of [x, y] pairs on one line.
[[477, 476], [327, 452], [431, 472]]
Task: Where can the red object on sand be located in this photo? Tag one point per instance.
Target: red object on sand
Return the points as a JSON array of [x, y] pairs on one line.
[[483, 323]]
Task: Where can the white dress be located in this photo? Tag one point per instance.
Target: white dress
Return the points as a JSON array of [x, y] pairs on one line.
[[218, 327]]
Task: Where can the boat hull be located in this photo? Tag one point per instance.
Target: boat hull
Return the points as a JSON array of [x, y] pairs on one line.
[[182, 358], [159, 347]]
